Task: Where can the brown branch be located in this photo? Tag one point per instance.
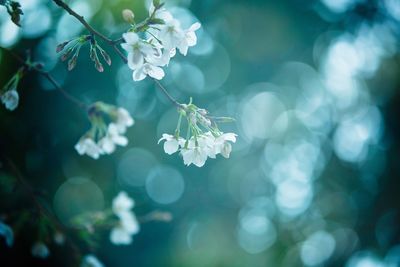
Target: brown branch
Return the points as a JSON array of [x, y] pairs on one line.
[[82, 21], [47, 75], [170, 98]]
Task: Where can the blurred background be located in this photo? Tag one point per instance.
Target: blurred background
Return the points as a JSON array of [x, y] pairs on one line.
[[313, 179]]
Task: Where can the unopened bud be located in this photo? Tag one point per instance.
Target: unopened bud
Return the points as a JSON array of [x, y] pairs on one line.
[[128, 15]]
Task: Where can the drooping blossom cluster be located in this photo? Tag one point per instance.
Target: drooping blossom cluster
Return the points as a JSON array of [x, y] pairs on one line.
[[151, 44], [199, 145], [91, 260], [7, 232], [109, 123], [128, 225]]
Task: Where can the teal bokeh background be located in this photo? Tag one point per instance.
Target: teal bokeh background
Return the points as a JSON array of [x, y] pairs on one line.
[[313, 178]]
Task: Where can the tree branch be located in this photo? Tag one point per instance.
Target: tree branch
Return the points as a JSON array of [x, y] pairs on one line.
[[47, 75]]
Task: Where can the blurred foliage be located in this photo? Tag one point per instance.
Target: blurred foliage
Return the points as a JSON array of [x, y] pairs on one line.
[[313, 179]]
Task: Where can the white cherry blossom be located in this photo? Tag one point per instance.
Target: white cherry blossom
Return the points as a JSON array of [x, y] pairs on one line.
[[88, 146], [171, 34], [122, 203], [40, 250], [91, 261], [137, 50], [194, 153], [119, 236], [8, 233], [10, 99], [171, 144], [129, 222], [222, 144], [150, 70], [124, 120], [128, 225], [189, 38], [112, 138], [161, 13]]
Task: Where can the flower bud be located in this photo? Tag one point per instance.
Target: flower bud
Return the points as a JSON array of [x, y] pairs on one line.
[[128, 15], [61, 46]]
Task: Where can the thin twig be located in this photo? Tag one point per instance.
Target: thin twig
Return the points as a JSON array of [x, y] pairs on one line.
[[83, 21], [59, 88], [48, 76]]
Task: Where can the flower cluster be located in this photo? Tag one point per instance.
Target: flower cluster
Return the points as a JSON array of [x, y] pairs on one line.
[[8, 94], [128, 224], [152, 43], [199, 145], [109, 123]]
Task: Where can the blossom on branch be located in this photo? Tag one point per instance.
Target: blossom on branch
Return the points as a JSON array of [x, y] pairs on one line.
[[40, 250], [10, 99], [8, 94], [162, 35], [109, 123], [200, 144]]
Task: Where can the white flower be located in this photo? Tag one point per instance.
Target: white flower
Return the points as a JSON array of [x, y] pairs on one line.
[[59, 238], [195, 154], [128, 224], [171, 34], [150, 70], [124, 120], [40, 250], [91, 261], [112, 138], [87, 145], [127, 227], [10, 99], [207, 142], [122, 203], [171, 144], [189, 38], [8, 233], [222, 144], [137, 49], [119, 236]]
